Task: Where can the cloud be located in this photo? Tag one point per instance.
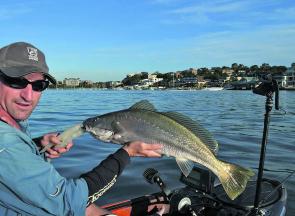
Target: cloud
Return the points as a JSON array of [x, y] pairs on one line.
[[271, 44], [164, 2], [282, 14], [229, 13], [211, 7], [204, 13], [11, 11]]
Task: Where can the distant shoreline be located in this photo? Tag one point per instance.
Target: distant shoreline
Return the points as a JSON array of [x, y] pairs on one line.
[[166, 89]]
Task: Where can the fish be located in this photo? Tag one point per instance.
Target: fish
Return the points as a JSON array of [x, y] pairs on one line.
[[181, 137]]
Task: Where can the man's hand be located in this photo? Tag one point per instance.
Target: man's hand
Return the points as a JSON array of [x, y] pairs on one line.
[[142, 149], [54, 152]]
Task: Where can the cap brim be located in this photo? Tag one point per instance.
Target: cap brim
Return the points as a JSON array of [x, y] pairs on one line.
[[24, 70]]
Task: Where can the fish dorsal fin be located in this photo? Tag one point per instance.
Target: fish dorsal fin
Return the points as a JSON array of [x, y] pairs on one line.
[[185, 166], [196, 128], [143, 105]]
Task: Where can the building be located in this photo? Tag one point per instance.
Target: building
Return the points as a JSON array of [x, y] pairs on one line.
[[242, 72], [287, 80], [245, 83], [228, 71], [290, 76], [282, 80], [187, 81], [151, 80], [71, 82]]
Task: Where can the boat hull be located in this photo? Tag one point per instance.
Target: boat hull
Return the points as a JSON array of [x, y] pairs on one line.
[[274, 203]]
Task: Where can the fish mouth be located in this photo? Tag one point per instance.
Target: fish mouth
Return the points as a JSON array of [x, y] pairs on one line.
[[89, 123]]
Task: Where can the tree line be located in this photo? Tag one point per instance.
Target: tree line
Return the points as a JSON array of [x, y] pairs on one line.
[[214, 73]]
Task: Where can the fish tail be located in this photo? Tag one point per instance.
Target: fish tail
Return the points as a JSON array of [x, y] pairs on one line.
[[234, 179]]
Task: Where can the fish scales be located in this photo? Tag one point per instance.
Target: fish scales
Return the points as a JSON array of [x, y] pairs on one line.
[[182, 138], [148, 125]]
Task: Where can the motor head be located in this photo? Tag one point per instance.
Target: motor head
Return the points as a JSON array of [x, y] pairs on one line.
[[267, 87]]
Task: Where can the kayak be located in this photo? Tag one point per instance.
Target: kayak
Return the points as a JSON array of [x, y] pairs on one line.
[[202, 196], [199, 197]]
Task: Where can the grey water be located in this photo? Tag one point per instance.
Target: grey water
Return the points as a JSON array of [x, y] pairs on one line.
[[235, 118]]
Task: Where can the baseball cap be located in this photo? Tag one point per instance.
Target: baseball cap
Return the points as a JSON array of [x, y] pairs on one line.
[[21, 58]]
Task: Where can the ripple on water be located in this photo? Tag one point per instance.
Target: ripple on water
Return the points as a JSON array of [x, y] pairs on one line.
[[235, 118]]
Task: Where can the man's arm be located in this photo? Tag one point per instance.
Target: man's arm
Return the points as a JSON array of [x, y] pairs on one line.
[[29, 184], [102, 177]]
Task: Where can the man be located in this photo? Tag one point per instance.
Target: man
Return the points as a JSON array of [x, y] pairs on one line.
[[29, 185]]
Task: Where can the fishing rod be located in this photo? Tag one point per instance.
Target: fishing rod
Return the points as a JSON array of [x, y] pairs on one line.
[[275, 189], [267, 88]]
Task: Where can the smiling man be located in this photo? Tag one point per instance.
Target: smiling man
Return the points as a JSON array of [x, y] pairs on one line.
[[20, 104], [29, 184]]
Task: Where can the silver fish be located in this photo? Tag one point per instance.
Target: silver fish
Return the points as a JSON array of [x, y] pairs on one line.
[[181, 137]]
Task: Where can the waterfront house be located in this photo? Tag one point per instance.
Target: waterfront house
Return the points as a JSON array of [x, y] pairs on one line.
[[281, 79], [287, 80], [228, 71], [245, 83], [71, 82], [187, 81], [290, 76]]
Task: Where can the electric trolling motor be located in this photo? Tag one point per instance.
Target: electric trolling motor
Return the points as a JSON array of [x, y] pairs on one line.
[[267, 87]]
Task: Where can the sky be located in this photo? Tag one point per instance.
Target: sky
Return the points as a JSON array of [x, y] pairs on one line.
[[104, 40]]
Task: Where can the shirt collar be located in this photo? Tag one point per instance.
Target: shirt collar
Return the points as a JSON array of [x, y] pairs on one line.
[[4, 116]]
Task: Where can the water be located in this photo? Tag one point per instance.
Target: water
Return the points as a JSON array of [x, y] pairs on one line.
[[235, 118]]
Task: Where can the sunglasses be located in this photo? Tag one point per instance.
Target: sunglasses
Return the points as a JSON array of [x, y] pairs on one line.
[[21, 83]]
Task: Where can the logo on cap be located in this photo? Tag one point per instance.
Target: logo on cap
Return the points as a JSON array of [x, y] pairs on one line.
[[32, 53]]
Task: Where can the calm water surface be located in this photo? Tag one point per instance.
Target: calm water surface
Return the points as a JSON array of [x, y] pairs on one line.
[[235, 118]]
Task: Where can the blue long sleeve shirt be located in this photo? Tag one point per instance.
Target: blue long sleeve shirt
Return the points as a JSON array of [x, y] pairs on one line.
[[29, 185]]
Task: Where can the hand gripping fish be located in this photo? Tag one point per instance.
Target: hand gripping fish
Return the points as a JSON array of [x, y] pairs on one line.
[[181, 137]]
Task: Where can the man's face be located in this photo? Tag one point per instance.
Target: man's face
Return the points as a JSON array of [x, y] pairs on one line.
[[20, 103]]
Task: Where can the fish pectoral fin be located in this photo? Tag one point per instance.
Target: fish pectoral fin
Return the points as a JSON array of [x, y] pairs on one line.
[[185, 166]]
